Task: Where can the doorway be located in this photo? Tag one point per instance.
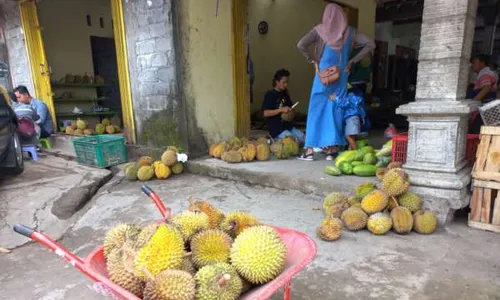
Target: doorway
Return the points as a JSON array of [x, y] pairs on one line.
[[78, 62]]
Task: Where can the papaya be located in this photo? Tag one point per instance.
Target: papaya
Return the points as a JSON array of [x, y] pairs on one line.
[[357, 163], [332, 170], [347, 156], [362, 143], [368, 149], [365, 170], [346, 168], [359, 156], [370, 159]]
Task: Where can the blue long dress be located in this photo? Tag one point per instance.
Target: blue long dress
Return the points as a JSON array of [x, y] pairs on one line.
[[325, 119]]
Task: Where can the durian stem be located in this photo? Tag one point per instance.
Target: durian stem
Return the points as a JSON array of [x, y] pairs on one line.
[[223, 281], [187, 254], [395, 201], [148, 274]]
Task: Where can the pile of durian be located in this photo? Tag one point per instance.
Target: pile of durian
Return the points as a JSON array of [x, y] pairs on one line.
[[81, 127], [238, 150], [390, 205], [146, 168], [200, 253]]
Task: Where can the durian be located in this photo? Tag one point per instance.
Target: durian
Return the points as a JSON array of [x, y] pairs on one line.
[[210, 247], [215, 216], [130, 171], [188, 266], [145, 161], [78, 132], [81, 124], [395, 182], [424, 222], [117, 129], [333, 198], [330, 229], [178, 168], [380, 173], [395, 165], [171, 285], [354, 218], [259, 254], [364, 189], [100, 128], [353, 200], [236, 143], [69, 130], [190, 223], [374, 202], [145, 173], [235, 222], [161, 171], [159, 247], [411, 201], [110, 129], [263, 152], [379, 223], [119, 264], [218, 282], [402, 220], [88, 132], [232, 157], [218, 150], [248, 152], [169, 158], [73, 125], [335, 211], [105, 122], [118, 235]]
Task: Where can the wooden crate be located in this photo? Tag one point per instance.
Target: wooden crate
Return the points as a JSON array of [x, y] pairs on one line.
[[487, 165], [485, 206]]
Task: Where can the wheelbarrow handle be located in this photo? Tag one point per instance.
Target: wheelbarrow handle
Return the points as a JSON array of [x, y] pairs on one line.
[[164, 211], [54, 246]]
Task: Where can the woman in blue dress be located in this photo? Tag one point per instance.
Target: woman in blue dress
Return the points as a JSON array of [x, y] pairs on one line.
[[333, 40]]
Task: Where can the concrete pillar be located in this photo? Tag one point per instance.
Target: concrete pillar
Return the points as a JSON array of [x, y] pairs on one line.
[[439, 116]]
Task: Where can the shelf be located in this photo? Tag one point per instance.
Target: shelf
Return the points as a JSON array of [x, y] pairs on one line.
[[81, 100], [74, 85], [102, 113]]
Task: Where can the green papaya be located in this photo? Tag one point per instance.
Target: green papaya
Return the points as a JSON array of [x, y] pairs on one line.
[[370, 159], [345, 156], [357, 163], [359, 156], [365, 170], [346, 168], [332, 170], [384, 152], [368, 149], [362, 143]]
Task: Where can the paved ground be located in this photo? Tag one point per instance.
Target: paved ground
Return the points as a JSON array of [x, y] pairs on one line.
[[454, 263], [46, 195]]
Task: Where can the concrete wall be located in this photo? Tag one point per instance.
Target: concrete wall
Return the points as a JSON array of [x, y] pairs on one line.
[[207, 72], [18, 56], [158, 110], [288, 22]]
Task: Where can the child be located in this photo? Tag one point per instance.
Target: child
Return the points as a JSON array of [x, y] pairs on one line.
[[354, 117], [26, 111]]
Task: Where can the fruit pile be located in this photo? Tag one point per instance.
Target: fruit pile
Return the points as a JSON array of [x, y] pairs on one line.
[[80, 127], [390, 205], [200, 253], [364, 162], [146, 168], [238, 150]]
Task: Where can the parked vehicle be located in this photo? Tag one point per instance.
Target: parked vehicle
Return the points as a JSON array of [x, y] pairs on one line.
[[11, 154]]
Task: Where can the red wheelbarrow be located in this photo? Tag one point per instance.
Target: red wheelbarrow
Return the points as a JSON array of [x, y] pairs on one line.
[[301, 251]]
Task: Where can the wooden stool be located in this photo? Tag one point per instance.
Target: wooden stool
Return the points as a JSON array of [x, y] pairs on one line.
[[32, 151], [46, 143]]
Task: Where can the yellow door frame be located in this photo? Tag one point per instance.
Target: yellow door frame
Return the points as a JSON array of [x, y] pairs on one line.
[[40, 70], [241, 86]]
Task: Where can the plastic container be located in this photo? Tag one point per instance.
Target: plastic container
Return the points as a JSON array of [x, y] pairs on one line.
[[100, 151], [400, 148], [490, 113]]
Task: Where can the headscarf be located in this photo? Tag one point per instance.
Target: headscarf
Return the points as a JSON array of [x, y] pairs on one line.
[[333, 29]]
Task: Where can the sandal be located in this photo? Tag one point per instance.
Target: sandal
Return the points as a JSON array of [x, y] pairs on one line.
[[306, 156], [331, 155]]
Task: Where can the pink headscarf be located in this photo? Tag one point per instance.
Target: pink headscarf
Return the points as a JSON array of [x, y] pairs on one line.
[[333, 29]]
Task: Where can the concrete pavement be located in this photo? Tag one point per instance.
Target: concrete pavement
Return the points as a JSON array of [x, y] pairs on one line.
[[454, 263]]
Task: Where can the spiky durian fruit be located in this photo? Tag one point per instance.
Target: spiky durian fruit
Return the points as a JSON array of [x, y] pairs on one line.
[[353, 200], [330, 229], [380, 173], [374, 202], [395, 165], [159, 247], [218, 282], [395, 182], [188, 266], [424, 222], [259, 254], [190, 223], [379, 223], [210, 247], [335, 211], [402, 220], [170, 285], [118, 235], [235, 222], [215, 216], [411, 201], [354, 218], [145, 161], [119, 264], [332, 199], [364, 189]]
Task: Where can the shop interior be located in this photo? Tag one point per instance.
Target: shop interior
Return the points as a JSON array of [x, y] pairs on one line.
[[80, 50], [275, 27]]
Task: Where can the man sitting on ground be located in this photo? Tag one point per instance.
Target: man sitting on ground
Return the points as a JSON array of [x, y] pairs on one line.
[[277, 102], [45, 119]]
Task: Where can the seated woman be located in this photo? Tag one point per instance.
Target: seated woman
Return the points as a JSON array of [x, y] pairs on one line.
[[277, 101]]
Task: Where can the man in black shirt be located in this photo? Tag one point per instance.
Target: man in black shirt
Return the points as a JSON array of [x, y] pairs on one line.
[[276, 102]]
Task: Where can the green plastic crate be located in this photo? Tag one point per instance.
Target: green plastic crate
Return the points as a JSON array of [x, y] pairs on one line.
[[100, 151]]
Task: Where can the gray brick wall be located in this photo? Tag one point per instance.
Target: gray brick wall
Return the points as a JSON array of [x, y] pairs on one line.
[[158, 107], [20, 71]]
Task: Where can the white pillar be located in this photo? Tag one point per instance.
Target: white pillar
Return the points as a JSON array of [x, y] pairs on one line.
[[439, 116]]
